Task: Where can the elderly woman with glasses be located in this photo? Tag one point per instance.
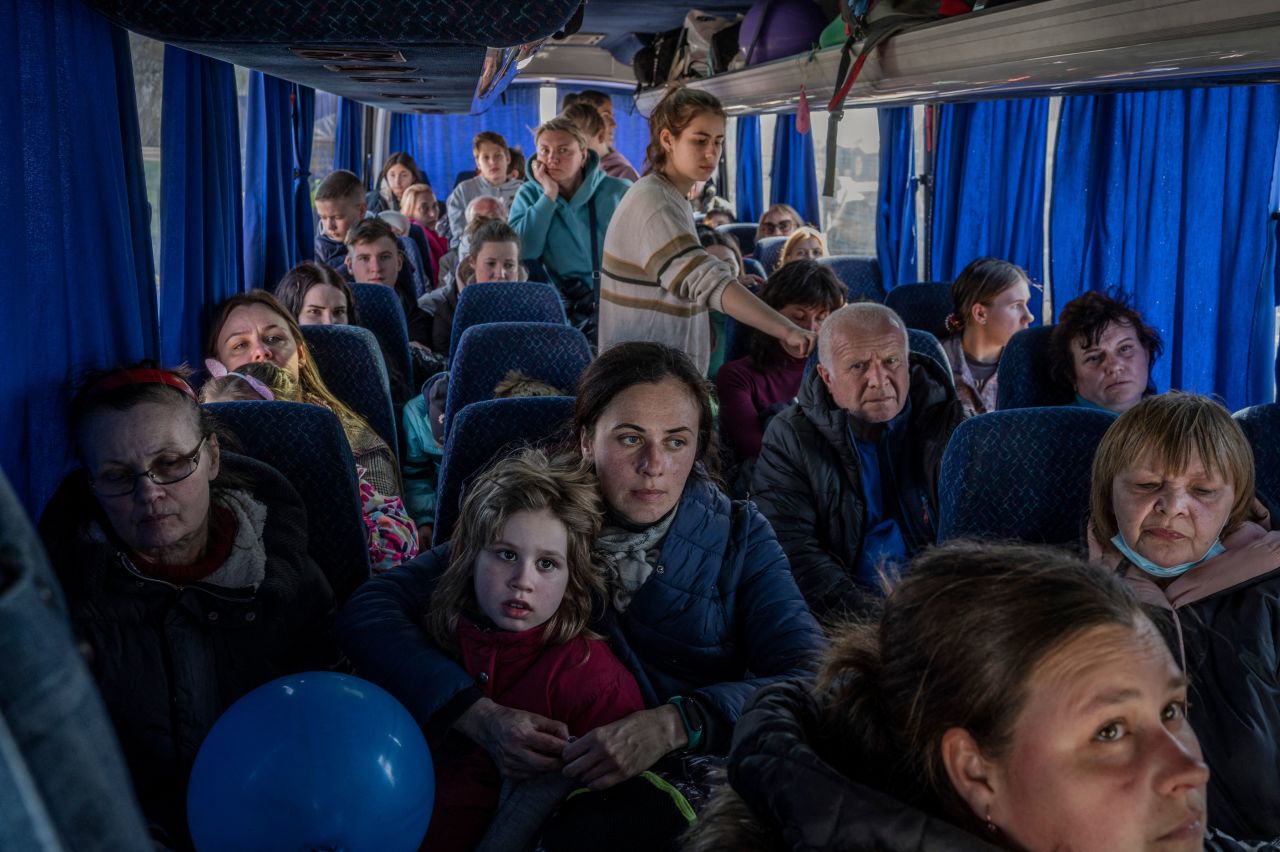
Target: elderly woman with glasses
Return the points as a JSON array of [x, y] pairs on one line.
[[186, 572]]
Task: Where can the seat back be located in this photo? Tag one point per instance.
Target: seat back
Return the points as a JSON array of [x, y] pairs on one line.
[[743, 232], [481, 432], [751, 266], [351, 365], [1021, 474], [1023, 375], [505, 301], [769, 252], [380, 311], [1261, 425], [859, 275], [922, 306], [306, 444], [924, 343], [556, 354]]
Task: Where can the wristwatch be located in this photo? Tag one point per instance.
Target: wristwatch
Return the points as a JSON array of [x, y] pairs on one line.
[[690, 717]]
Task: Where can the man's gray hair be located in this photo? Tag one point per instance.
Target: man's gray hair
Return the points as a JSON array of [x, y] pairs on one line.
[[857, 318], [470, 212]]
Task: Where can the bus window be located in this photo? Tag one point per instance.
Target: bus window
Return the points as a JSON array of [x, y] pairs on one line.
[[148, 87], [849, 218]]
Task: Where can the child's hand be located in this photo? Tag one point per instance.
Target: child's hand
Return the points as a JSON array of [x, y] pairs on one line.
[[521, 744], [623, 749]]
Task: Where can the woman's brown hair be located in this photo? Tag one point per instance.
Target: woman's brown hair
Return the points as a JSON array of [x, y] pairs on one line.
[[297, 282], [1086, 317], [1169, 429], [980, 283], [801, 282], [674, 113], [955, 646], [528, 481], [399, 158]]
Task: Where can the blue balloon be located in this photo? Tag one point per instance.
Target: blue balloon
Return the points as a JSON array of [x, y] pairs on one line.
[[312, 761]]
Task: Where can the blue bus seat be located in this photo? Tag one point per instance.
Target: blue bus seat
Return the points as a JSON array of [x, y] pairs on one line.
[[379, 310], [859, 275], [751, 266], [307, 445], [1023, 374], [1021, 474], [769, 252], [743, 232], [484, 429], [352, 367], [505, 301], [1261, 425], [923, 306], [924, 343], [556, 354]]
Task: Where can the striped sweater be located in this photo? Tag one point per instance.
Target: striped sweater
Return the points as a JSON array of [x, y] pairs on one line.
[[657, 282]]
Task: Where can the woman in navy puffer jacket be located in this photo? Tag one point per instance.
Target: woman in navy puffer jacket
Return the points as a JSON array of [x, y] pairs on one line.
[[703, 608]]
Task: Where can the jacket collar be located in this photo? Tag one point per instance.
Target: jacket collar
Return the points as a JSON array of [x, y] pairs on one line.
[[1242, 563]]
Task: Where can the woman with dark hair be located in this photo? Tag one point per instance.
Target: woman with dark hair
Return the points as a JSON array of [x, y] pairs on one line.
[[701, 605], [317, 295], [753, 388], [1173, 512], [186, 571], [1101, 352], [1008, 697], [399, 172], [990, 298]]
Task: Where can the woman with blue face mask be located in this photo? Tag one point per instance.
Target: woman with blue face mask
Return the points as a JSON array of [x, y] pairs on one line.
[[1173, 510]]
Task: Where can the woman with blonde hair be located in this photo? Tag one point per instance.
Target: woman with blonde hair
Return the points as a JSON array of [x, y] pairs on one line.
[[804, 244], [254, 326], [1173, 511]]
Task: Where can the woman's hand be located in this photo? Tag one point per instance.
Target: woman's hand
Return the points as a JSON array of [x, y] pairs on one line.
[[751, 282], [623, 749], [799, 343], [550, 188], [522, 744]]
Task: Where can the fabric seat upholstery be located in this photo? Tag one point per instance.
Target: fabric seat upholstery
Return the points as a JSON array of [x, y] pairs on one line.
[[351, 365], [1261, 425], [1025, 380], [769, 252], [505, 301], [556, 354], [743, 232], [1021, 474], [307, 445], [379, 310], [859, 275], [923, 306], [481, 431]]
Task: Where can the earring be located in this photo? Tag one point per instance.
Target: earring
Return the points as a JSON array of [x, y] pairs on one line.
[[991, 826]]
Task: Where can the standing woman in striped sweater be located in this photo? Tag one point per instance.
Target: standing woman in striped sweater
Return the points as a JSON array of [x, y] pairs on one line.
[[658, 282]]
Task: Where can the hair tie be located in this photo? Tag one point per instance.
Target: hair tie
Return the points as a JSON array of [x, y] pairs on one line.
[[141, 376], [953, 323], [215, 367], [261, 389]]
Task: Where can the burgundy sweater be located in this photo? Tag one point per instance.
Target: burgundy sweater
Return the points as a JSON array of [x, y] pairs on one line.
[[745, 391]]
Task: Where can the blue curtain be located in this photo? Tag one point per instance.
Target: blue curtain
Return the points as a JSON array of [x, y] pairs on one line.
[[81, 282], [795, 177], [1166, 196], [441, 144], [896, 205], [349, 137], [273, 180], [201, 263], [632, 134], [988, 197], [748, 198], [302, 116]]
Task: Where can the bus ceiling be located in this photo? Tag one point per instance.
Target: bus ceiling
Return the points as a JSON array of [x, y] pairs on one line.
[[456, 57]]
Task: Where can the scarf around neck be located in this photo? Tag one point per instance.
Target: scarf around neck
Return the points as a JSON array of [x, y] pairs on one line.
[[626, 555]]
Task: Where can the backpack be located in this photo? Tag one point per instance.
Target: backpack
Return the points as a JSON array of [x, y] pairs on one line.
[[871, 22], [652, 63], [695, 54]]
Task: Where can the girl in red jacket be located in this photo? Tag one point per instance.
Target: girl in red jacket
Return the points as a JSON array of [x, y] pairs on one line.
[[513, 608]]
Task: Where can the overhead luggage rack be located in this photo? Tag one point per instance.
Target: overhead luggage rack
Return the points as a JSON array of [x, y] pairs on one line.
[[1054, 46]]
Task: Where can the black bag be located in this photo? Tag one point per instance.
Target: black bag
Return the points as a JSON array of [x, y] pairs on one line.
[[652, 63], [579, 300], [724, 47]]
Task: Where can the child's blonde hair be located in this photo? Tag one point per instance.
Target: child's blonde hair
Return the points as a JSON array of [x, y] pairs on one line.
[[409, 200], [528, 481], [232, 387]]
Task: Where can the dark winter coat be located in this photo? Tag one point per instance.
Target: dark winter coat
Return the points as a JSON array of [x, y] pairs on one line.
[[718, 618], [808, 485], [580, 683], [169, 659]]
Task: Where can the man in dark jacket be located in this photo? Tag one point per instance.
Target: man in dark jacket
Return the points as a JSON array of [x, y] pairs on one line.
[[848, 475]]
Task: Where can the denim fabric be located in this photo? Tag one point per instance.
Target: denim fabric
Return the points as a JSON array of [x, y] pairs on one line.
[[63, 784]]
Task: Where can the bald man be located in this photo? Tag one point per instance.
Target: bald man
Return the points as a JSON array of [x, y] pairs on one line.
[[848, 475]]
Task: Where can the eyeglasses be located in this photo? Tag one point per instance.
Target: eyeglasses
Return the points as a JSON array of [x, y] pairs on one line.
[[164, 472], [774, 229]]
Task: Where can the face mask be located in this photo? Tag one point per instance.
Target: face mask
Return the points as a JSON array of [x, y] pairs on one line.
[[1159, 570]]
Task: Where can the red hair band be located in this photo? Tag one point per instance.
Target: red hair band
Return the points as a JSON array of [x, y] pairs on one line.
[[141, 376]]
